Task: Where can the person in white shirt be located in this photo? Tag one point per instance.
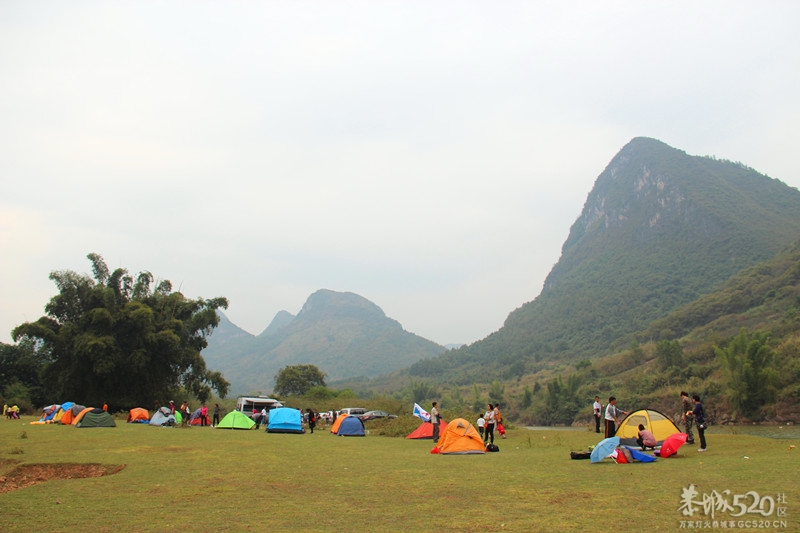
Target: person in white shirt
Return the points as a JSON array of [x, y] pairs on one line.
[[612, 416], [598, 409], [488, 433], [435, 419]]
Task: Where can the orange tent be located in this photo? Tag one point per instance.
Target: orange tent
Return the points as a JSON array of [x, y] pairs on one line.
[[67, 417], [137, 413], [77, 418], [460, 438], [425, 430], [337, 423]]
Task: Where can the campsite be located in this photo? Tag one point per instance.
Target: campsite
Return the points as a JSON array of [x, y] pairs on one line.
[[203, 479]]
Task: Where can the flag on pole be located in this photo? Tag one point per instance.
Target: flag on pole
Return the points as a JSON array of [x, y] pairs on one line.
[[419, 412]]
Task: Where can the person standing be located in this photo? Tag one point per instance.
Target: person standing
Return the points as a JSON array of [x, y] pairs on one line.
[[488, 431], [700, 417], [204, 415], [312, 420], [687, 417], [612, 416], [498, 421], [598, 410], [172, 407], [481, 424], [435, 419], [215, 421], [186, 413]]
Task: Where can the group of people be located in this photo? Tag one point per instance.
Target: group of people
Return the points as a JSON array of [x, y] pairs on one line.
[[486, 423], [691, 413], [186, 413], [11, 413]]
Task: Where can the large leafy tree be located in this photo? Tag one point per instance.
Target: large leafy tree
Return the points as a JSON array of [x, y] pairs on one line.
[[752, 377], [20, 366], [121, 340], [298, 379]]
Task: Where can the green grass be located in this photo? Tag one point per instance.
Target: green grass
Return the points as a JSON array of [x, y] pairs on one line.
[[209, 480]]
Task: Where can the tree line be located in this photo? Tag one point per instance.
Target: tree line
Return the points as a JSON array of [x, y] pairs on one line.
[[112, 338]]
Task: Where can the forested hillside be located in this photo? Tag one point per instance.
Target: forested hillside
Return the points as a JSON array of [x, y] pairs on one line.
[[659, 229]]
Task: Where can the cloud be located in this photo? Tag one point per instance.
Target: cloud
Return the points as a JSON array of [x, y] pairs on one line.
[[428, 157]]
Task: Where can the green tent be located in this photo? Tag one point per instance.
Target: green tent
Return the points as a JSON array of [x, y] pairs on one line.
[[236, 420], [97, 418], [178, 418]]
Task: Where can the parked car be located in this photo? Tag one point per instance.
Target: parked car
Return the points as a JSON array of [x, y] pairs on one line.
[[353, 411], [371, 415]]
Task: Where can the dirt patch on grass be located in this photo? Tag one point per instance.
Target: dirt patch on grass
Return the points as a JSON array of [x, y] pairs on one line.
[[27, 475]]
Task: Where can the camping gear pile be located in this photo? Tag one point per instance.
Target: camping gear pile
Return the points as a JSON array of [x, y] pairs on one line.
[[72, 414], [623, 448]]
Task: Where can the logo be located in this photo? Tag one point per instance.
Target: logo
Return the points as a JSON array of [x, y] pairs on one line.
[[724, 510]]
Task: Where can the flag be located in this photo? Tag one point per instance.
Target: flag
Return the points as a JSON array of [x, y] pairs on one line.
[[419, 412]]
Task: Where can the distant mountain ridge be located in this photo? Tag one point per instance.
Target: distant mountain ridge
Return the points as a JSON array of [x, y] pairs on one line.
[[342, 333], [659, 229]]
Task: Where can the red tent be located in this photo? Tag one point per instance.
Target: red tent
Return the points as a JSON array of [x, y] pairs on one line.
[[425, 430]]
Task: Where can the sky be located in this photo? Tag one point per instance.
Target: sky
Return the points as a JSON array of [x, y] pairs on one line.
[[428, 156]]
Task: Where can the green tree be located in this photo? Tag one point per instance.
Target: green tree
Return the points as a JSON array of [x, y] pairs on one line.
[[298, 379], [21, 364], [527, 397], [112, 339], [752, 378], [669, 354], [421, 391], [497, 392]]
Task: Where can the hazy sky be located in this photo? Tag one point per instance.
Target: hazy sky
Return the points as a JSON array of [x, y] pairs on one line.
[[428, 156]]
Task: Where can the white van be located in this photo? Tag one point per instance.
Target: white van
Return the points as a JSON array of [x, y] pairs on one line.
[[248, 404], [353, 411]]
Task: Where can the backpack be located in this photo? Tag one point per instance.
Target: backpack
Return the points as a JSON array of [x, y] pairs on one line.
[[492, 448]]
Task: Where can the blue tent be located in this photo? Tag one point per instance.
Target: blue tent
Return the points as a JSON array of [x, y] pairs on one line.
[[351, 426], [285, 420]]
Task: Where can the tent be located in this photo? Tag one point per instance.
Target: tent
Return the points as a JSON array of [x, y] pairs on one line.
[[70, 414], [138, 414], [337, 423], [460, 438], [236, 420], [196, 419], [162, 417], [285, 420], [96, 418], [350, 426], [425, 430], [48, 414], [658, 423], [77, 418]]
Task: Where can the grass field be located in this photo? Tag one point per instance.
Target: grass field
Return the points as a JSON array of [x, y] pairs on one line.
[[210, 480]]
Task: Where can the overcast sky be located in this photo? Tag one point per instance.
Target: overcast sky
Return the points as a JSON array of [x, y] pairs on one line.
[[428, 156]]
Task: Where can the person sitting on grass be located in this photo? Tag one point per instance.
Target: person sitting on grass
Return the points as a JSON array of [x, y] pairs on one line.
[[645, 438]]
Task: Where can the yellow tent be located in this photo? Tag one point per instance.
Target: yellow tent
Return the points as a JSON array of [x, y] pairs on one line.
[[658, 423]]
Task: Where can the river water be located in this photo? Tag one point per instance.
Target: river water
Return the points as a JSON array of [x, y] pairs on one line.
[[768, 431]]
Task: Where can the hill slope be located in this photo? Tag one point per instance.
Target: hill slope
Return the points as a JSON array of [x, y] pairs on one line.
[[659, 229], [343, 334]]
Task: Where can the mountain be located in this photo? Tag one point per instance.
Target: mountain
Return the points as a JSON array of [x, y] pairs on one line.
[[343, 334], [659, 229], [281, 319]]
